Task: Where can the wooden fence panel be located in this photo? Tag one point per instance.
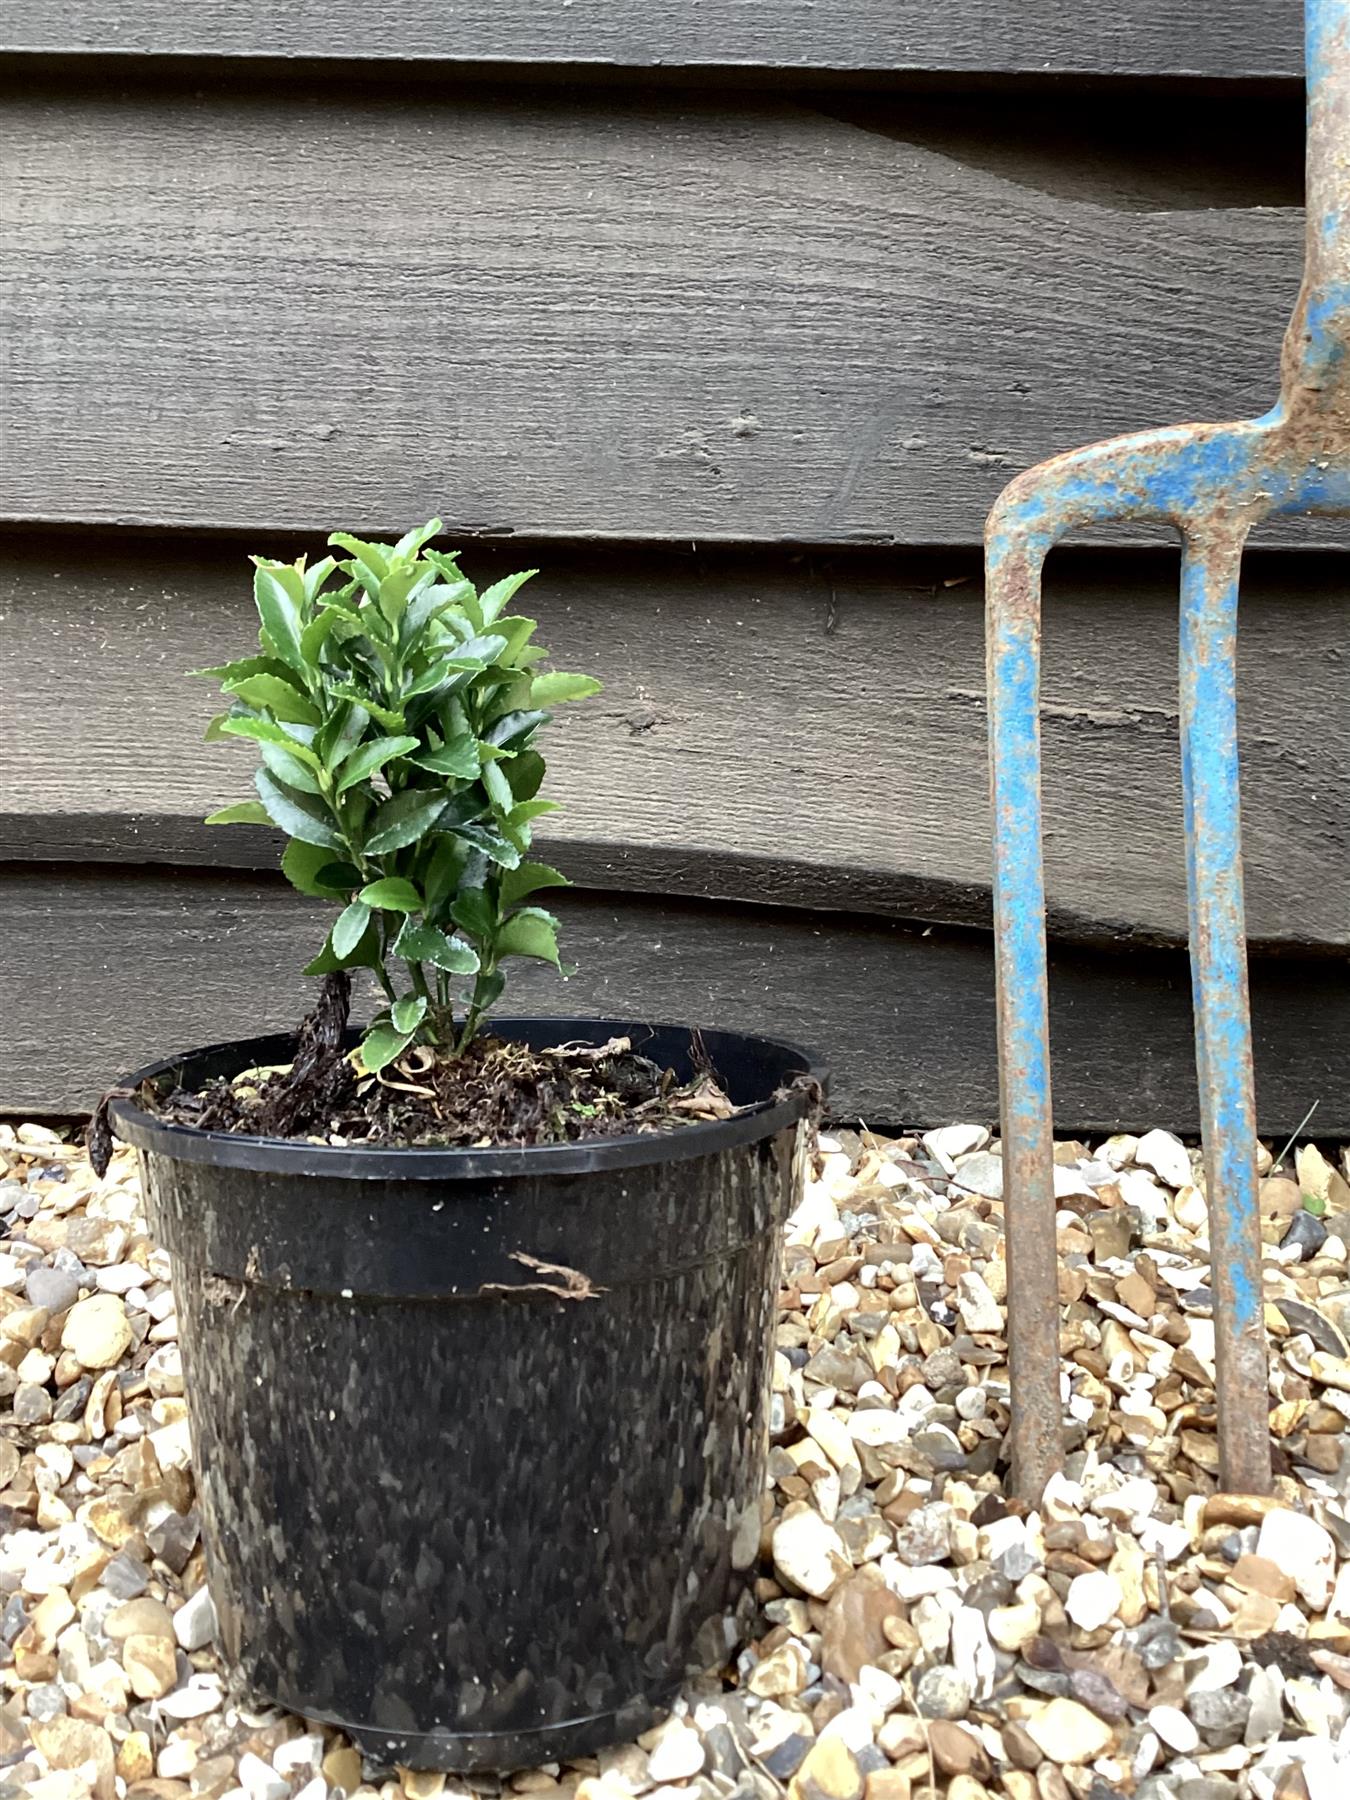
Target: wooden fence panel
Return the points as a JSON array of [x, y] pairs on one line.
[[1215, 38], [675, 321], [776, 728], [136, 966]]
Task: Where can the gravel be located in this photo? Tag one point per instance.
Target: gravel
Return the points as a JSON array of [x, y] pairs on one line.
[[1139, 1633]]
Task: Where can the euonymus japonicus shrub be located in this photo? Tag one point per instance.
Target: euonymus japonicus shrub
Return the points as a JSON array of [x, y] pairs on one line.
[[395, 709]]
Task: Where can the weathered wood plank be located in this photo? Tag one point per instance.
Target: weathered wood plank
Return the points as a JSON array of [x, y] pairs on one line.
[[773, 728], [665, 320], [104, 971], [1219, 38]]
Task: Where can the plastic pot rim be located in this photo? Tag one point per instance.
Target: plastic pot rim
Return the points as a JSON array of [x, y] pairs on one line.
[[292, 1156]]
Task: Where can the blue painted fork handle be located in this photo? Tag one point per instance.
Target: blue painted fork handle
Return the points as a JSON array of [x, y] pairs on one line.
[[1210, 569]]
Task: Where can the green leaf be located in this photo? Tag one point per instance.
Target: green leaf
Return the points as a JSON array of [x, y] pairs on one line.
[[385, 715], [314, 634], [409, 1012], [526, 774], [528, 879], [550, 689], [457, 758], [364, 955], [278, 601], [305, 866], [399, 586], [450, 671], [427, 944], [512, 730], [370, 758], [412, 541], [497, 848], [380, 1045], [517, 632], [245, 666], [266, 732], [277, 696], [404, 819], [430, 604], [340, 733], [475, 912], [392, 894], [243, 812], [373, 557], [530, 932], [313, 579], [296, 813], [497, 786], [483, 650], [501, 593], [287, 767], [350, 928], [215, 731]]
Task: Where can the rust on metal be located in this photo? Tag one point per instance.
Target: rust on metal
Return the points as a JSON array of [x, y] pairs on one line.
[[1213, 483]]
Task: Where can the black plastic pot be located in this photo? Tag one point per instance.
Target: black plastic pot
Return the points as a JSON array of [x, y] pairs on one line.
[[480, 1434]]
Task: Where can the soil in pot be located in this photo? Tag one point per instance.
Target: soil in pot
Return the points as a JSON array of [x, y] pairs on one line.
[[496, 1092]]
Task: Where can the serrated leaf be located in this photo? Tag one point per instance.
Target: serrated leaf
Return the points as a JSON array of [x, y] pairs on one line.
[[215, 730], [392, 894], [495, 847], [407, 1014], [401, 583], [483, 650], [313, 579], [297, 814], [265, 731], [383, 715], [514, 728], [555, 687], [412, 541], [243, 812], [526, 774], [475, 912], [457, 758], [501, 593], [428, 944], [340, 733], [278, 601], [287, 767], [528, 879], [277, 697], [370, 758], [403, 820], [374, 557], [244, 666], [446, 671], [304, 865], [381, 1045], [530, 932], [517, 631], [366, 954], [497, 787], [350, 927], [314, 635]]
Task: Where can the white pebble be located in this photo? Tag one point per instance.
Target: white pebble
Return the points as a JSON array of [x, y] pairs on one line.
[[1175, 1729], [1304, 1549], [1093, 1599], [1166, 1156]]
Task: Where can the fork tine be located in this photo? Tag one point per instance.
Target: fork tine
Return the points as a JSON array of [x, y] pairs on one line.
[[1223, 1046]]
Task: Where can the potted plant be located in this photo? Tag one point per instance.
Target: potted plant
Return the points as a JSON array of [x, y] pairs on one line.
[[476, 1326]]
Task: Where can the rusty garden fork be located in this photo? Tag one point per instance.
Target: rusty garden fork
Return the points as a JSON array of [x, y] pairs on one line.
[[1213, 483]]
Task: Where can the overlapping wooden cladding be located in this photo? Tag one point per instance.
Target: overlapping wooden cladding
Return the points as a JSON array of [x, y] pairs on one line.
[[671, 320], [271, 306], [1215, 39]]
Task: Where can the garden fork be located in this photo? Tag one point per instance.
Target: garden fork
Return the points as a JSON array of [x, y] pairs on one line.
[[1213, 483]]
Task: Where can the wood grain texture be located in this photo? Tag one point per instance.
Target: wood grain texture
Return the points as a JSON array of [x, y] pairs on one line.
[[1217, 38], [787, 729], [106, 971], [663, 320]]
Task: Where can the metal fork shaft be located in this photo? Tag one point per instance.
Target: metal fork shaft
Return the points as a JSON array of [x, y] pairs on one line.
[[1223, 1049]]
